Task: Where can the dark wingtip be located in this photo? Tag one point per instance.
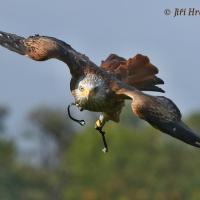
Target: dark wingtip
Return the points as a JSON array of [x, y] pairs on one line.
[[153, 89], [12, 42], [158, 81], [197, 144], [182, 132], [160, 89]]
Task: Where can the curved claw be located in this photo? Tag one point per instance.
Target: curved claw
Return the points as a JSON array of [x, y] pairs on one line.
[[81, 122]]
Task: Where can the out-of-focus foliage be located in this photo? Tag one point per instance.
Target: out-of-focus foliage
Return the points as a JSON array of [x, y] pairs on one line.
[[194, 121], [17, 182], [53, 126], [3, 113], [142, 164], [54, 122], [127, 118]]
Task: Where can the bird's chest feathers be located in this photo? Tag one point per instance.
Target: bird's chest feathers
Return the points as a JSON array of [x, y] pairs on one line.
[[95, 102]]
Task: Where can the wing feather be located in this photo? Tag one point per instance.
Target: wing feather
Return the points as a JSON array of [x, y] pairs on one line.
[[136, 71], [160, 112], [42, 48]]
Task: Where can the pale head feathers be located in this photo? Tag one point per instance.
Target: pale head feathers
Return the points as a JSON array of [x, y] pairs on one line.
[[90, 91]]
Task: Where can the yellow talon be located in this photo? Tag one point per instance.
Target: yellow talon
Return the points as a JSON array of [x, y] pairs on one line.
[[98, 123]]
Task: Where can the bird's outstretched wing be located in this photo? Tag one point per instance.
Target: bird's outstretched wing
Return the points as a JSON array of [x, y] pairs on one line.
[[136, 71], [42, 48], [160, 112]]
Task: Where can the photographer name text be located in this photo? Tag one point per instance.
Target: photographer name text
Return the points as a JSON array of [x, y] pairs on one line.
[[182, 12]]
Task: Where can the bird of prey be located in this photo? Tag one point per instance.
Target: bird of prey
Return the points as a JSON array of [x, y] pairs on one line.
[[104, 89]]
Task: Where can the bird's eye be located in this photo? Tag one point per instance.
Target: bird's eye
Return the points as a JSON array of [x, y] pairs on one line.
[[81, 88]]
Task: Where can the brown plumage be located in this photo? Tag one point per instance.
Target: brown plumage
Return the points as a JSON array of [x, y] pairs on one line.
[[161, 113], [136, 71], [104, 89]]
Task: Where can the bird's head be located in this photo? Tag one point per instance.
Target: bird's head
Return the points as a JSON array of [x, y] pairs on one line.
[[90, 90]]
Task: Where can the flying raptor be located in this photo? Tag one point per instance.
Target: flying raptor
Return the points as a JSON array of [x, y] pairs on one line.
[[104, 89]]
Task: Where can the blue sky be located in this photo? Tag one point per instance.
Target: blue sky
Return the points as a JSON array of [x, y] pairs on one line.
[[98, 28]]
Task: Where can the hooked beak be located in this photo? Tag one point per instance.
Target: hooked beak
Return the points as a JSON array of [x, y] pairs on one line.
[[86, 93]]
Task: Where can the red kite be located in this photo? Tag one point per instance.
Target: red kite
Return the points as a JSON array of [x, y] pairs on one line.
[[104, 89]]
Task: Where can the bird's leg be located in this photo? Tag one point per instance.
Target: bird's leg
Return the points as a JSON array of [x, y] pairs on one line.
[[81, 122], [99, 126]]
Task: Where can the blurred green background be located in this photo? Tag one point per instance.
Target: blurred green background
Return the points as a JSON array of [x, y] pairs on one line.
[[66, 163]]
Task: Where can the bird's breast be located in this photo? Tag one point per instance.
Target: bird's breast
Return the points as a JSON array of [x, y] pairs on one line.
[[93, 104], [98, 104]]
